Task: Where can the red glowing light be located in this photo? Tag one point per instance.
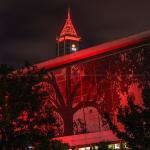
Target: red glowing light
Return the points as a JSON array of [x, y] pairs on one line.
[[61, 39], [68, 29], [68, 32], [87, 54]]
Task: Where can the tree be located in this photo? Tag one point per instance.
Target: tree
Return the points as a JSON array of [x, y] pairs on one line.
[[25, 118], [64, 95], [136, 123]]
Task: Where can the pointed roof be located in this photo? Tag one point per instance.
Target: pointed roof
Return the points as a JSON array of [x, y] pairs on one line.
[[68, 28]]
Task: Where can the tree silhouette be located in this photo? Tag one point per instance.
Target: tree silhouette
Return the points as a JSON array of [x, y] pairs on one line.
[[25, 119], [63, 99], [136, 122], [99, 83]]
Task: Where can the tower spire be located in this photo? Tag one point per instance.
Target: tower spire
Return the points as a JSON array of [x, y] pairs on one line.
[[69, 17], [68, 40], [68, 28]]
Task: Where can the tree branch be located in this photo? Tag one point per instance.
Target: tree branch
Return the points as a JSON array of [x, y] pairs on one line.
[[52, 80]]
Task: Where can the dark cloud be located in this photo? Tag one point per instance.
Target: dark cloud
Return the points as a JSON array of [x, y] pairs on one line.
[[28, 28]]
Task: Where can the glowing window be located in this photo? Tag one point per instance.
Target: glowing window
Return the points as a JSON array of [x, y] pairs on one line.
[[117, 146], [73, 47], [84, 148]]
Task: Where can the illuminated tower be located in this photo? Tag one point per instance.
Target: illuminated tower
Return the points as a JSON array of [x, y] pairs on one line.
[[68, 40]]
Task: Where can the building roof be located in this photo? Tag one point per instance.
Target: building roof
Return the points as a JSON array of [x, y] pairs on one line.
[[68, 32], [89, 138], [94, 51], [68, 28]]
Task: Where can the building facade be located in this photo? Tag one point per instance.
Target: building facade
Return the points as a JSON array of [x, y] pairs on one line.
[[85, 84]]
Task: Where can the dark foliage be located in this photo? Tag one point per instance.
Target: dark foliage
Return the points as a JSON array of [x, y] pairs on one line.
[[135, 121], [25, 118]]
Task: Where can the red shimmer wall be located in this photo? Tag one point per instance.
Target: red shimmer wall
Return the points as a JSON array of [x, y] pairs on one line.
[[85, 84]]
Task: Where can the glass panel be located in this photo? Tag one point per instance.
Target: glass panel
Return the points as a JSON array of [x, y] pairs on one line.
[[83, 91]]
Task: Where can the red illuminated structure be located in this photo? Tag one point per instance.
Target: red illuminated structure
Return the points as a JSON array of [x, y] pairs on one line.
[[83, 84], [68, 40], [94, 52], [93, 74], [68, 29]]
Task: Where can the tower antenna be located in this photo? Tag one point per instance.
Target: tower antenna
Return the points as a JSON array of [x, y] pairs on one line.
[[69, 16]]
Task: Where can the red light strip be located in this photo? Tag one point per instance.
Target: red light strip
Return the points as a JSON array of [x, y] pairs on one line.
[[94, 51], [61, 39]]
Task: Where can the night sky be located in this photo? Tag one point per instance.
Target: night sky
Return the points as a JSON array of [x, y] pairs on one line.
[[28, 28]]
